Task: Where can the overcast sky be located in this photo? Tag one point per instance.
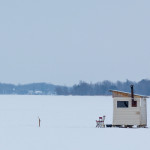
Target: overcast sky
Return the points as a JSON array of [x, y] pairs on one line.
[[65, 41]]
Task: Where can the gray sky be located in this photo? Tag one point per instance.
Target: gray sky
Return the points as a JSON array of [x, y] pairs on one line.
[[65, 41]]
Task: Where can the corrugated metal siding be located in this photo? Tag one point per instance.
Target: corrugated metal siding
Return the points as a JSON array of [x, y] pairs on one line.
[[126, 116], [143, 112]]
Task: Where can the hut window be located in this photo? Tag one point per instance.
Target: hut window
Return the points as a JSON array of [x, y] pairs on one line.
[[134, 103], [122, 104]]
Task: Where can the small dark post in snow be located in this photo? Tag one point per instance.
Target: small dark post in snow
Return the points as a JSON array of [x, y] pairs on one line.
[[39, 121]]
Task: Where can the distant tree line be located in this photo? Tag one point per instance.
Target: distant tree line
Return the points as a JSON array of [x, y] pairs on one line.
[[102, 88], [82, 88], [27, 89]]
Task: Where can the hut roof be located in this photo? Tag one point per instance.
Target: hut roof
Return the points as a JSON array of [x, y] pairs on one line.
[[116, 93]]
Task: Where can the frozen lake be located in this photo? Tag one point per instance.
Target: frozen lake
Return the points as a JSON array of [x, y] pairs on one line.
[[67, 123]]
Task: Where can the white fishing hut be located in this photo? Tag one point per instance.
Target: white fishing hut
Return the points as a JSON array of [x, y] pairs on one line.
[[129, 109]]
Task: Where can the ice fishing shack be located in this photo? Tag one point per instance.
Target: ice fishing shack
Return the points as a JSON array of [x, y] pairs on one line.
[[129, 109]]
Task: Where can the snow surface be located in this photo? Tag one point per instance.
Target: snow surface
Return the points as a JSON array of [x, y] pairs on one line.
[[67, 123]]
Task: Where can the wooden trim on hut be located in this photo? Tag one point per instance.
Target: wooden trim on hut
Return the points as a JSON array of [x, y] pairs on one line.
[[125, 94]]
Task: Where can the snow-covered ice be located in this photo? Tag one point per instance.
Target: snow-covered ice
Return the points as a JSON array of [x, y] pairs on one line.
[[67, 123]]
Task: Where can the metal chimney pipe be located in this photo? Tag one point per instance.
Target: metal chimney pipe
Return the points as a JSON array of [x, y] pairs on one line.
[[132, 93]]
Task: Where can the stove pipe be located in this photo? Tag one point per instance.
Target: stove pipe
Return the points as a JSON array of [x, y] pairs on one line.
[[132, 93]]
